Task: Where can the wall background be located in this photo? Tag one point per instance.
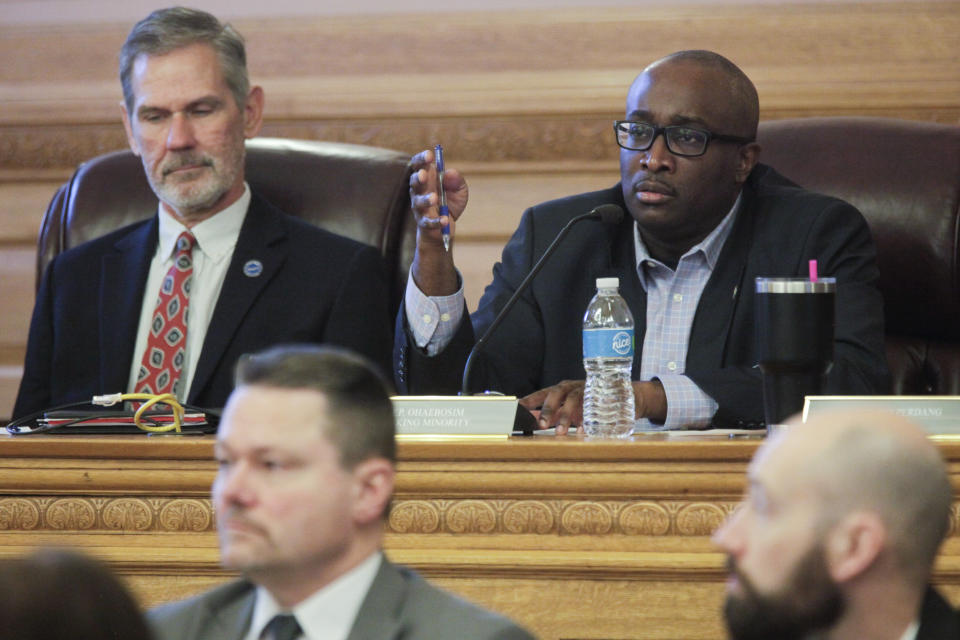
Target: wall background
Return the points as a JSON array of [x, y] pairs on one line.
[[101, 11], [520, 92]]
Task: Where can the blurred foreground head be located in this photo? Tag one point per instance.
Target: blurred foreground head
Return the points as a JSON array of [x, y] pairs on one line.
[[63, 595], [306, 456], [838, 531]]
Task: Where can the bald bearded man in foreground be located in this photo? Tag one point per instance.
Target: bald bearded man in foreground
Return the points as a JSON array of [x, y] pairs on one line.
[[837, 534]]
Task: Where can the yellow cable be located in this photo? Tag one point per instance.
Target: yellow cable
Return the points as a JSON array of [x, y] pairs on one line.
[[166, 398]]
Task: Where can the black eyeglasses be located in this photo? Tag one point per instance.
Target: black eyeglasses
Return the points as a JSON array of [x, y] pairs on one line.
[[681, 141]]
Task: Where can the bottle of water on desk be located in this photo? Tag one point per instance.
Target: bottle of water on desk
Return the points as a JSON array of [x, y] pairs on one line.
[[608, 405]]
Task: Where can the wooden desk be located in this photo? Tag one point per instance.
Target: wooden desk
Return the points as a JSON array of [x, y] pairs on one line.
[[574, 539]]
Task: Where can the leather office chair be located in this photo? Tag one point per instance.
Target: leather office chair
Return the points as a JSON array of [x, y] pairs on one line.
[[357, 191], [905, 178]]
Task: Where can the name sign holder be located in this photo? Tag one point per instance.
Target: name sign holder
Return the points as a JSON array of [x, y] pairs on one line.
[[454, 415], [939, 415]]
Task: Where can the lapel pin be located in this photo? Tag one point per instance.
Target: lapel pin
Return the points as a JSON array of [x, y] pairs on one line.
[[252, 268]]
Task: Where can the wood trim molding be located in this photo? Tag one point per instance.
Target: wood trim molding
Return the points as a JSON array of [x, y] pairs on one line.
[[423, 517], [514, 85], [500, 521]]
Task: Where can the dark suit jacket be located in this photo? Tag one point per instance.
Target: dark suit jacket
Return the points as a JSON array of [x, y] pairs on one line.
[[315, 287], [779, 228], [399, 606], [938, 621]]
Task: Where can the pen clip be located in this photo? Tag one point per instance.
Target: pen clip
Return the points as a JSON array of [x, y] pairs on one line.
[[438, 154]]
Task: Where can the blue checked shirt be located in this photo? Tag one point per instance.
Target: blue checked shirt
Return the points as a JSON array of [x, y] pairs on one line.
[[433, 320], [672, 298]]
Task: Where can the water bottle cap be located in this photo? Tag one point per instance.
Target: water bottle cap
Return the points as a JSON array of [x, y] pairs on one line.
[[608, 283]]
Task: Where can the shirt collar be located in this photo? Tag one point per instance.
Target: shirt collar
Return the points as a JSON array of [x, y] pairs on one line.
[[216, 236], [331, 611], [911, 632], [710, 246]]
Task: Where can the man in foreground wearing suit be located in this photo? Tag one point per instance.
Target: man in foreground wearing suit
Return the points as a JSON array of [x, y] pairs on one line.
[[704, 220], [234, 274], [307, 456], [837, 534]]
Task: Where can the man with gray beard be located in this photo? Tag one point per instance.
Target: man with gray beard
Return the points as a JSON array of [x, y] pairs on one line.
[[837, 534], [168, 305]]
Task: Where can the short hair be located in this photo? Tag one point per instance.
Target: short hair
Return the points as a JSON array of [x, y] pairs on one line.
[[167, 30], [63, 595], [361, 423], [907, 486], [742, 89]]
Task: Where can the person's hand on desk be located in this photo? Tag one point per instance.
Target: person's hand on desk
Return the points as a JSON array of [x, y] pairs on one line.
[[561, 405]]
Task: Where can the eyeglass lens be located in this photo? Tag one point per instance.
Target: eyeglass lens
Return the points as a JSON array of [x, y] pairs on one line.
[[680, 140]]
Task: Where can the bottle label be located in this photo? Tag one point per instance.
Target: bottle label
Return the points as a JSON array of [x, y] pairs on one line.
[[608, 343]]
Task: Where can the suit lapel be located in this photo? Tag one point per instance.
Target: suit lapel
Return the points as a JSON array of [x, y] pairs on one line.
[[228, 612], [262, 238], [119, 302], [714, 315], [379, 615]]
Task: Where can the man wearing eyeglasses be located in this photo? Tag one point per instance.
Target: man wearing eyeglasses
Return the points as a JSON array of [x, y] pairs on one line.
[[705, 220]]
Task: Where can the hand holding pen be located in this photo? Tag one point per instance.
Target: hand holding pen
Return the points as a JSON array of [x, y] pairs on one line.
[[426, 199], [432, 267]]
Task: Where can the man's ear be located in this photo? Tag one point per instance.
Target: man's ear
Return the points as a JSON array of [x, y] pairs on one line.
[[373, 489], [128, 127], [253, 112], [854, 544], [747, 158]]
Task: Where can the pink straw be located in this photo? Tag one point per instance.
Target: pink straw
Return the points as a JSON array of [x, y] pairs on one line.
[[813, 271]]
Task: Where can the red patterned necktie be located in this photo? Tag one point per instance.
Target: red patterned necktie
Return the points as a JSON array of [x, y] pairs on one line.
[[163, 358]]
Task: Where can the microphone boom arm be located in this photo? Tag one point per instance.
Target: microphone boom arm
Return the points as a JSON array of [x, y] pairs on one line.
[[606, 213]]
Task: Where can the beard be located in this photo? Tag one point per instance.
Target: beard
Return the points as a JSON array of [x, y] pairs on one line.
[[190, 193], [808, 602]]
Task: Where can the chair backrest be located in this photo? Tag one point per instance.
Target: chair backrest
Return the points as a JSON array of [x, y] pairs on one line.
[[357, 191], [904, 177]]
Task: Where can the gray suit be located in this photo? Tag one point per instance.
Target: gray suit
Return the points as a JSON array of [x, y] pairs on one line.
[[399, 606]]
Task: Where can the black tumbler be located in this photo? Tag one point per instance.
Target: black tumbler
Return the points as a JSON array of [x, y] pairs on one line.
[[795, 326]]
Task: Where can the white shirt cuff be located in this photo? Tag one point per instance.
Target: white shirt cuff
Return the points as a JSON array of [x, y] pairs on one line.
[[688, 406], [433, 320]]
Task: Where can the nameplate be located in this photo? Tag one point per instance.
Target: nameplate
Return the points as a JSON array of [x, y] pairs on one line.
[[939, 415], [454, 415]]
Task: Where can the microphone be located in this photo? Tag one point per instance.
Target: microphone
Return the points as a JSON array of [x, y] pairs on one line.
[[606, 213]]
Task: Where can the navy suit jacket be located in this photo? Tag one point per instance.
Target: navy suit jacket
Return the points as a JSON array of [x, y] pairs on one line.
[[938, 621], [779, 228], [315, 287]]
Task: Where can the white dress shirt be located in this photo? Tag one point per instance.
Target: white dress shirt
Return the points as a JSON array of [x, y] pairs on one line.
[[329, 613], [216, 238], [911, 632]]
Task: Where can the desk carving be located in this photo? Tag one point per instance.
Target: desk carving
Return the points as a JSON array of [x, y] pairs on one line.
[[31, 513], [518, 517], [558, 517], [617, 531]]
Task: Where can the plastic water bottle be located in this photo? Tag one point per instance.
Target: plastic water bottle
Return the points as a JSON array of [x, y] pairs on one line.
[[608, 405]]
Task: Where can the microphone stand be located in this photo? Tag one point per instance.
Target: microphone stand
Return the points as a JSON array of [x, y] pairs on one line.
[[608, 213]]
